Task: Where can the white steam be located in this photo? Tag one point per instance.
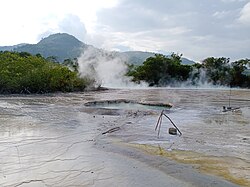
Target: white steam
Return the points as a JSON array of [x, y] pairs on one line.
[[200, 81], [106, 68]]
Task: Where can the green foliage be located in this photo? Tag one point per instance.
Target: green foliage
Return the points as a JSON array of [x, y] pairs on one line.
[[239, 77], [160, 70], [52, 59], [220, 71], [71, 64], [24, 73]]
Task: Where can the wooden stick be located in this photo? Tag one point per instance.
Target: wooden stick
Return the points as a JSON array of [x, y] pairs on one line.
[[111, 130], [158, 120], [160, 126], [172, 123]]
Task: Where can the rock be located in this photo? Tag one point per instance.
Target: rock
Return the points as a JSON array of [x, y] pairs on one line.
[[172, 131]]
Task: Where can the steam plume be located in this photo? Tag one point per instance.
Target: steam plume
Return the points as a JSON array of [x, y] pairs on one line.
[[106, 68]]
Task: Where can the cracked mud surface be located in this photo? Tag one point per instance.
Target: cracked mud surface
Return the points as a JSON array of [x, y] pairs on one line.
[[55, 140]]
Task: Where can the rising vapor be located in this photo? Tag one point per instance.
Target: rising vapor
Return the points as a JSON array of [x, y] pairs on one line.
[[106, 68]]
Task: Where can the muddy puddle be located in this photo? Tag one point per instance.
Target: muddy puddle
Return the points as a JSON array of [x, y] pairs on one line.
[[58, 140]]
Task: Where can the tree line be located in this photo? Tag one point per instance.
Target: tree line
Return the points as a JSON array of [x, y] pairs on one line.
[[162, 70], [21, 72]]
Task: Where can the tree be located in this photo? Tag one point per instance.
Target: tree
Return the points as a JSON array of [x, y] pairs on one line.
[[239, 78], [24, 73], [71, 64], [52, 59], [161, 70], [218, 70]]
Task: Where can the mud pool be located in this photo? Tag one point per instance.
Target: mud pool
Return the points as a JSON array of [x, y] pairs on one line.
[[56, 140]]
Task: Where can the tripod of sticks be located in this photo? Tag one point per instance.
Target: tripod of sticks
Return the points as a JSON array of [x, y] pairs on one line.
[[159, 122]]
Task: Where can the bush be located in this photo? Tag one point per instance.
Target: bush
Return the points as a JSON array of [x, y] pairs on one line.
[[25, 73]]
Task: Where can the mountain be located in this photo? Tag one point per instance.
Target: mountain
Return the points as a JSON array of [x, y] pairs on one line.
[[136, 57], [61, 46], [186, 61], [64, 46], [10, 48]]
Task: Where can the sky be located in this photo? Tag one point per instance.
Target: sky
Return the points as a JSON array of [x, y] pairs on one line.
[[195, 28]]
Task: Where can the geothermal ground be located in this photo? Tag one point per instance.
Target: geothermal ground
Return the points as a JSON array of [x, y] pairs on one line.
[[59, 140]]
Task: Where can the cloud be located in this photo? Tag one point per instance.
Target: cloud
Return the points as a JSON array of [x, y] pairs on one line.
[[221, 14], [72, 24], [231, 1], [196, 29], [33, 18], [133, 16], [245, 15]]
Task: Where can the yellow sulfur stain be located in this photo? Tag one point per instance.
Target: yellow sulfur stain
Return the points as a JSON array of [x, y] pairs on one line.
[[219, 166]]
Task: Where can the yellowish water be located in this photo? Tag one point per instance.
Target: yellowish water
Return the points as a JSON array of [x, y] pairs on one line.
[[230, 168]]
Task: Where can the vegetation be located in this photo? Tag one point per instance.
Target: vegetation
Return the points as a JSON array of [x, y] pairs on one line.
[[21, 72], [239, 74], [162, 70], [71, 64], [220, 71]]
